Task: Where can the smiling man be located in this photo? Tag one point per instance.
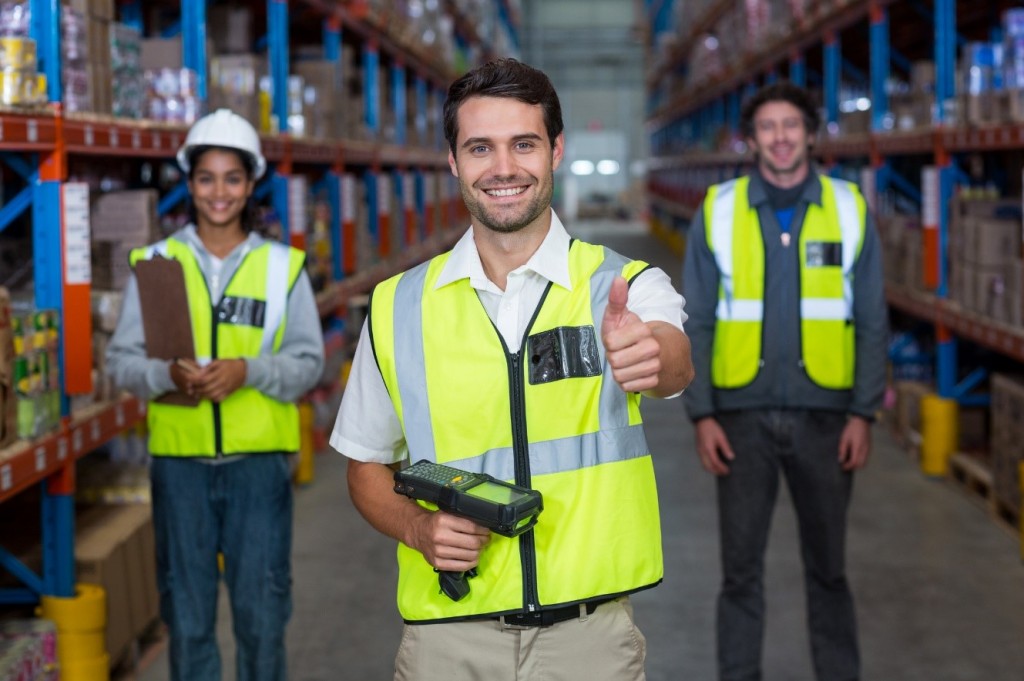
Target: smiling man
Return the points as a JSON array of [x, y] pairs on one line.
[[521, 353], [789, 329]]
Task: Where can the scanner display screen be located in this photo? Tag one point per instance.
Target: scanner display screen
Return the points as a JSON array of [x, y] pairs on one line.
[[492, 492]]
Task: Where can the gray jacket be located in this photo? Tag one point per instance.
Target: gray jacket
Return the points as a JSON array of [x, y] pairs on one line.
[[285, 375], [782, 382]]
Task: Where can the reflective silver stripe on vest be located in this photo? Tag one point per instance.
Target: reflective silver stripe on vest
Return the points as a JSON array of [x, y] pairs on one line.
[[851, 227], [611, 413], [277, 294], [741, 310], [412, 385], [723, 213], [559, 456], [824, 309]]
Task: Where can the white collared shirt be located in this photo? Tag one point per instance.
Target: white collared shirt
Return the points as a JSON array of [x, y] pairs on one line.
[[367, 428]]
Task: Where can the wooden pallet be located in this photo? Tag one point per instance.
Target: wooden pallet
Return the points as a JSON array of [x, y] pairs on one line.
[[975, 478], [973, 475]]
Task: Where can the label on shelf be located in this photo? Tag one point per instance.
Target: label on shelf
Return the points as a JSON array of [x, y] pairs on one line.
[[383, 195], [408, 191], [297, 213], [77, 260], [869, 187], [348, 197], [930, 197]]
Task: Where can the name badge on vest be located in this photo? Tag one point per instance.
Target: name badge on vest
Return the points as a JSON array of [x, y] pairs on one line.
[[824, 253], [565, 352]]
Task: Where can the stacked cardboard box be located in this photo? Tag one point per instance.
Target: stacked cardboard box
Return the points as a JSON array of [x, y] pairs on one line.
[[98, 16], [115, 548], [985, 257], [234, 84], [902, 257], [1007, 435], [120, 221], [323, 106]]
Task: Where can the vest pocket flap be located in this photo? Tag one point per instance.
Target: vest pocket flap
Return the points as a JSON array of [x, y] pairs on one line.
[[565, 352]]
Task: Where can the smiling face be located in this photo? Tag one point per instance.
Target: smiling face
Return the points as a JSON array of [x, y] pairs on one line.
[[505, 162], [220, 186], [781, 141]]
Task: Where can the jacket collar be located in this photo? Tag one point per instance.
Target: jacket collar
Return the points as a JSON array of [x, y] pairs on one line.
[[757, 193]]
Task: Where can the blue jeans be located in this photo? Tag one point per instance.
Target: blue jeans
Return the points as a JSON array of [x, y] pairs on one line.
[[242, 509], [804, 446]]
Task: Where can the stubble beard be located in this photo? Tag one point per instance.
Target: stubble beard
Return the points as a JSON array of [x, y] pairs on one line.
[[514, 222]]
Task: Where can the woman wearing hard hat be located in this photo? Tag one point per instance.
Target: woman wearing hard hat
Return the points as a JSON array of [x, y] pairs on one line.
[[220, 447]]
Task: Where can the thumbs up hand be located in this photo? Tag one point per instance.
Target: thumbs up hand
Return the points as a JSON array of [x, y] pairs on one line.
[[632, 350]]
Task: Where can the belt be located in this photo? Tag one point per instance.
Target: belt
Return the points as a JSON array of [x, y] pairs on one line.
[[545, 618]]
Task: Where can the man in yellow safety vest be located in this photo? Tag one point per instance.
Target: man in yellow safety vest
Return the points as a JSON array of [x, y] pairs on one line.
[[789, 327]]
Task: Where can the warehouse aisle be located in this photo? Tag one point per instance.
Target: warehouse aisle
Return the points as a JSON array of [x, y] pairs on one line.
[[940, 586]]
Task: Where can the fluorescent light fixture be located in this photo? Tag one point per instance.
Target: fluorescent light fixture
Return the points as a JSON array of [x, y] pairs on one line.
[[607, 167], [582, 168]]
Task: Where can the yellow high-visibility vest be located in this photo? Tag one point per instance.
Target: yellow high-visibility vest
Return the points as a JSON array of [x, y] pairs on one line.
[[248, 321], [830, 241], [552, 408]]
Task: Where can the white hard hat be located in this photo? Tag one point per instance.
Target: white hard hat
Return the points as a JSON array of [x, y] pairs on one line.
[[224, 128]]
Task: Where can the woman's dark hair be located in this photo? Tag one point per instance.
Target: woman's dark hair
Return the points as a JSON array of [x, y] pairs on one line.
[[503, 78], [251, 221], [782, 91]]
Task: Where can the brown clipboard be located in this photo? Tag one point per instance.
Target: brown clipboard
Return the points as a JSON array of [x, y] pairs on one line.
[[166, 322]]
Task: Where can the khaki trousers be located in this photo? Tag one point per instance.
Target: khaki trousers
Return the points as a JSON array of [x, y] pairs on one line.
[[603, 646]]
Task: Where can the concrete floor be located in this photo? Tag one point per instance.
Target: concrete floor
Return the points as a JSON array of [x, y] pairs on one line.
[[939, 584]]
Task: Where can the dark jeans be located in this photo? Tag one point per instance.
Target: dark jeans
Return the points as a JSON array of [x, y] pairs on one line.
[[804, 446], [242, 509]]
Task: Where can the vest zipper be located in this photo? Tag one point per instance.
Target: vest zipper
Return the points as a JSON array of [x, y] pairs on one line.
[[218, 435], [521, 454]]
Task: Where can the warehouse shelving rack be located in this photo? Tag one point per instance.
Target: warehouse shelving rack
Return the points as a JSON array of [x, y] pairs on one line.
[[37, 144], [685, 115]]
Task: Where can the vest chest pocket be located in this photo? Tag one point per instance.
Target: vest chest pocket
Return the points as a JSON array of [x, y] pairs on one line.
[[824, 253], [565, 352]]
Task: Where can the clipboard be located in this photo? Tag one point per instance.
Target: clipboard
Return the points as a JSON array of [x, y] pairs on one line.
[[166, 321]]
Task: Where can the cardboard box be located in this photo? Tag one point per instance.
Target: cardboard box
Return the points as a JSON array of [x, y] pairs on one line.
[[230, 28], [992, 242], [161, 53], [113, 549], [100, 559]]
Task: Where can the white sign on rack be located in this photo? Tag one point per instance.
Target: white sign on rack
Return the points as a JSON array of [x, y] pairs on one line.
[[77, 260], [297, 216], [348, 197]]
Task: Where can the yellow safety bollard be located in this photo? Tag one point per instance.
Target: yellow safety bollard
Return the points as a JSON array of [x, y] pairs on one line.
[[304, 469], [939, 433], [81, 632]]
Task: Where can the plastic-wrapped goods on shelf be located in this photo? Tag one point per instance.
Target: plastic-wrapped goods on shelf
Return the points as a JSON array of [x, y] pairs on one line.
[[20, 85], [17, 54], [172, 96], [36, 371], [15, 18], [8, 406], [28, 650], [74, 47], [126, 70]]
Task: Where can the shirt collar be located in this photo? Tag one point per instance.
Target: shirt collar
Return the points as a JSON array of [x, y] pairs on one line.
[[550, 260]]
